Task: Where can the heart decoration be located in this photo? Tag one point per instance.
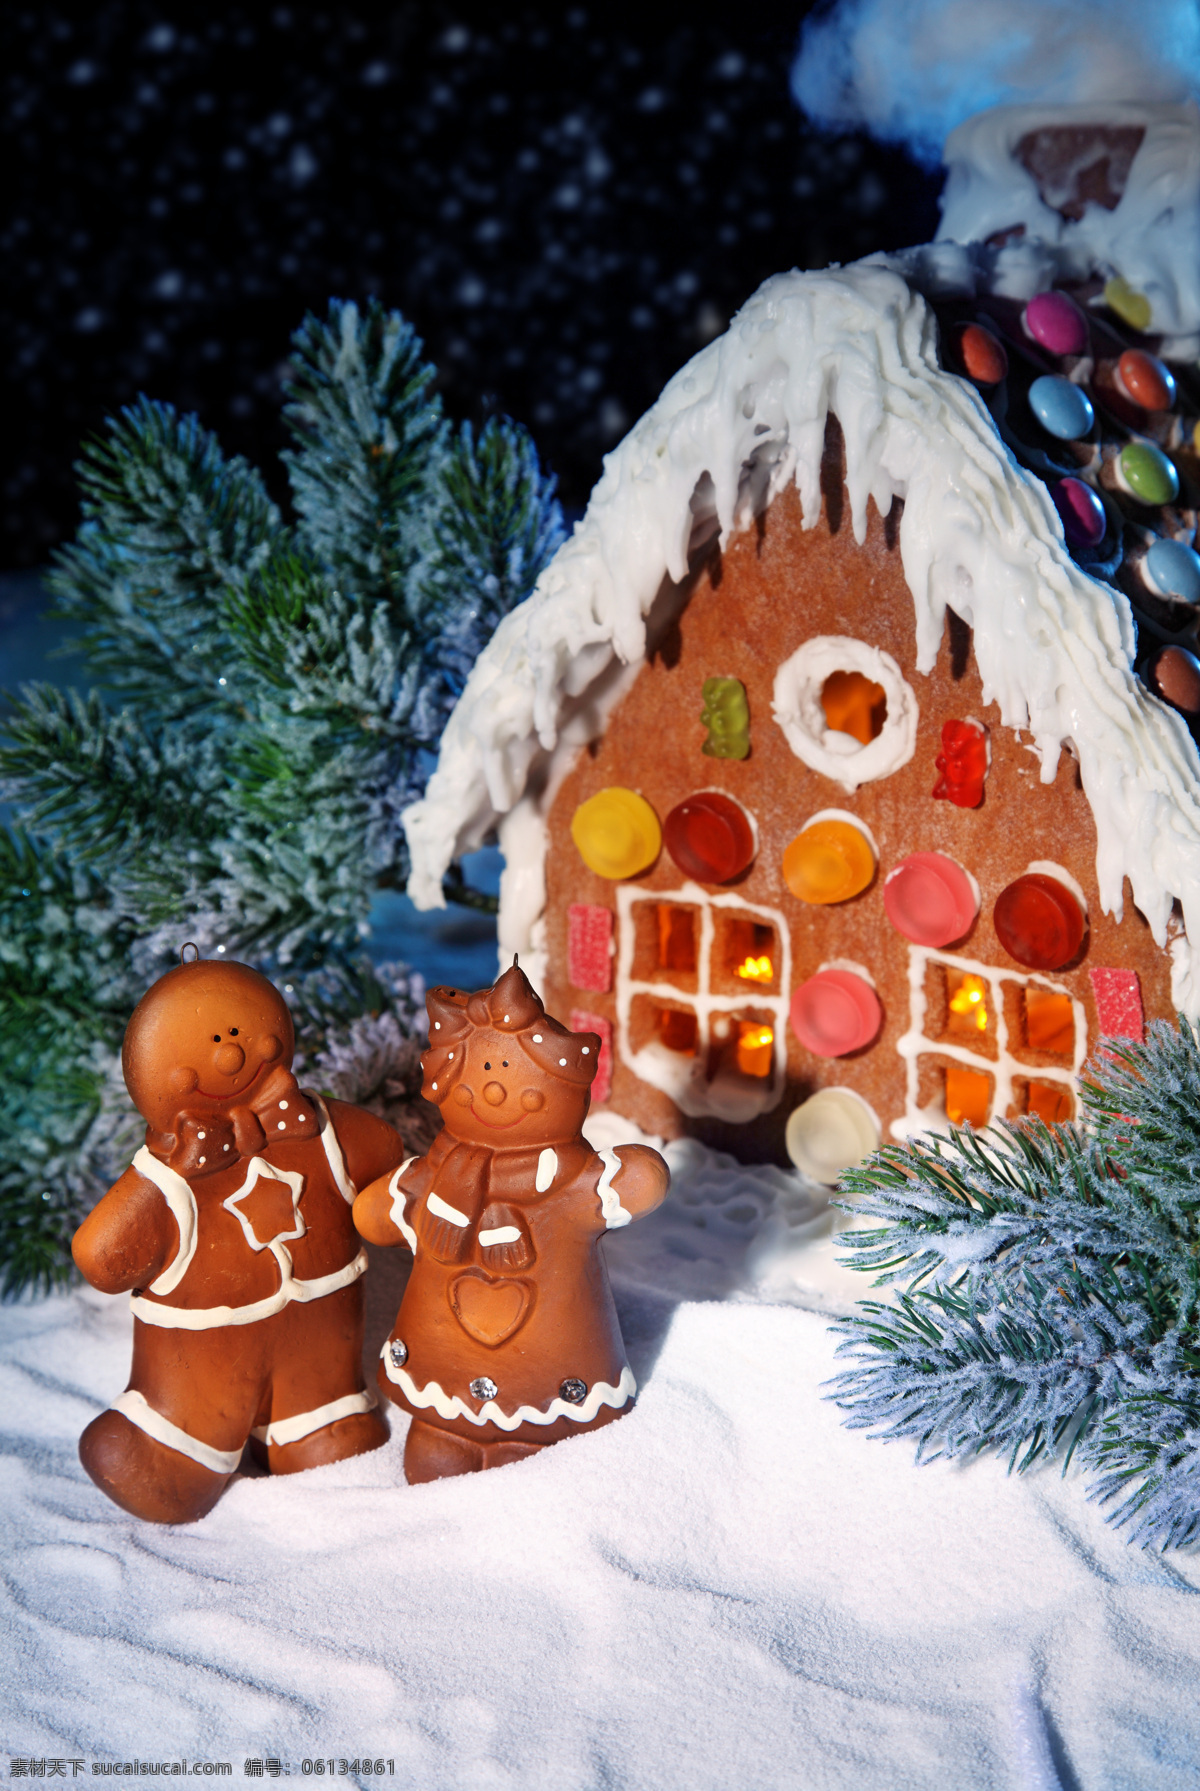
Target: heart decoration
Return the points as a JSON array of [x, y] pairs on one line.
[[490, 1310]]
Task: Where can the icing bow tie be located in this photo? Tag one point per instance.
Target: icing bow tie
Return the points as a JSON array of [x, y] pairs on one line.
[[201, 1141]]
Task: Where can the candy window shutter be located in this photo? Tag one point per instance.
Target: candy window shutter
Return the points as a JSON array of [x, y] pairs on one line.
[[1118, 1003], [585, 1022], [589, 947]]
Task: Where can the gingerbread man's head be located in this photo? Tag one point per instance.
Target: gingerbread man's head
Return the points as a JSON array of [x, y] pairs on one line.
[[204, 1036], [504, 1074]]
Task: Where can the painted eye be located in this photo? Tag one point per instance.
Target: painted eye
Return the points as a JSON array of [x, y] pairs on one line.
[[487, 1066], [216, 1038], [233, 1032], [504, 1065]]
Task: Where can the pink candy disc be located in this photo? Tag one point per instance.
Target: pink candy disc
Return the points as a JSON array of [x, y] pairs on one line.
[[835, 1011], [1057, 323], [930, 899]]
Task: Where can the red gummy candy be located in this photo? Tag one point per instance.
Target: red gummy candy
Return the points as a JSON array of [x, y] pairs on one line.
[[584, 1022], [1039, 922], [963, 763], [710, 837]]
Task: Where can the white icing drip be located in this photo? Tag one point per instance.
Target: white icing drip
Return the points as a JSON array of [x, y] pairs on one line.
[[500, 1234], [1046, 867], [399, 1203], [614, 1213], [547, 1169], [292, 1430], [796, 706], [137, 1408], [1054, 647], [333, 1153], [1004, 1067], [451, 1406], [211, 1318], [1151, 238], [683, 1078], [441, 1209], [182, 1203], [852, 820]]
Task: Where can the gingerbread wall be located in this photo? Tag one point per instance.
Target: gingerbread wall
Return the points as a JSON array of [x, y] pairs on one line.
[[745, 611]]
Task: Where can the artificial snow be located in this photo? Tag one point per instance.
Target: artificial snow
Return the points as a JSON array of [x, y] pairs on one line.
[[726, 1588]]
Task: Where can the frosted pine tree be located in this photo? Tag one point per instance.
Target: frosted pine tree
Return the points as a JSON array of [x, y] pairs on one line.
[[1048, 1282], [269, 695]]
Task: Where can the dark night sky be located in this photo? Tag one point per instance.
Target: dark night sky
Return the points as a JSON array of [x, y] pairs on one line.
[[567, 207]]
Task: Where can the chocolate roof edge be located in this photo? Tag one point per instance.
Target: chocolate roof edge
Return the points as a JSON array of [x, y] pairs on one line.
[[742, 420]]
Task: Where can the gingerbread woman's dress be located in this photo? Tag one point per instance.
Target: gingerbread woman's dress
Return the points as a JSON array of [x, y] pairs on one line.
[[507, 1337]]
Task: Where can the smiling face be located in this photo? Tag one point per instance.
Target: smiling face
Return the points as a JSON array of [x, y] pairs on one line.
[[501, 1098], [502, 1071], [204, 1036]]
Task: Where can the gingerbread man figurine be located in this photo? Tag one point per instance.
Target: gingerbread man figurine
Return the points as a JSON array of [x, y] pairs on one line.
[[232, 1232], [507, 1338]]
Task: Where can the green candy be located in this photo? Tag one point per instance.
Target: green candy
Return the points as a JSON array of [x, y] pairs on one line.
[[1148, 473], [726, 715]]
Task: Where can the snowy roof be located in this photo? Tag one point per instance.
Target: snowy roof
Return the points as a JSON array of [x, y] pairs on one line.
[[1150, 237], [744, 419]]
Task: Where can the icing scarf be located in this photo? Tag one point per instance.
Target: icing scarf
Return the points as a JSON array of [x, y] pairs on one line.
[[201, 1140], [462, 1176]]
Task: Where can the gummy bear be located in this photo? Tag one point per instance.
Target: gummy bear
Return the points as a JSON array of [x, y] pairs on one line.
[[963, 763], [726, 715]]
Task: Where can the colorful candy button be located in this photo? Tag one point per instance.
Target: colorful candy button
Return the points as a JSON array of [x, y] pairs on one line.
[[1039, 921], [1083, 516], [710, 837], [835, 1011], [1061, 408], [831, 861], [1057, 323], [1130, 305], [981, 354], [1174, 674], [617, 833], [1146, 380], [830, 1132], [1172, 569], [1147, 474], [930, 899]]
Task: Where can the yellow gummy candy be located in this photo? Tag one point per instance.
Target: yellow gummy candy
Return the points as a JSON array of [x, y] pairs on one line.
[[617, 833], [1130, 305], [829, 862]]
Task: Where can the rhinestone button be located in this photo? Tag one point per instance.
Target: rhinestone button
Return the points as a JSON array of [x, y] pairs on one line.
[[484, 1387], [398, 1352], [574, 1392]]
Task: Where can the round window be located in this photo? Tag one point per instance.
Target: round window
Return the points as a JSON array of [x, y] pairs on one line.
[[845, 710]]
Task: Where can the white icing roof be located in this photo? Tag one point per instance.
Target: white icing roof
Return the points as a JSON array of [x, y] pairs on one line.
[[742, 420], [1152, 236]]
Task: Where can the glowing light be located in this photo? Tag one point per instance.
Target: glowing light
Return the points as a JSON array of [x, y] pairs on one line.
[[969, 1002], [756, 970], [754, 1048]]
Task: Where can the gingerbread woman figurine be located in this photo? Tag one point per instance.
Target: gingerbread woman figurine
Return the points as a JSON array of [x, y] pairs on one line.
[[507, 1338], [232, 1232]]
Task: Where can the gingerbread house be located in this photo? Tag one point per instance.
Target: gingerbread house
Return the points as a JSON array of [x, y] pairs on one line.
[[843, 760]]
